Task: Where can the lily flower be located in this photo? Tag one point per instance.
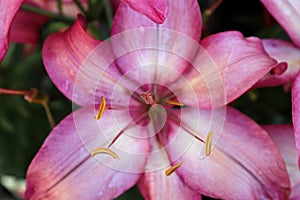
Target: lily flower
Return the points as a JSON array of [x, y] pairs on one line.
[[296, 112], [283, 136], [153, 112], [287, 14]]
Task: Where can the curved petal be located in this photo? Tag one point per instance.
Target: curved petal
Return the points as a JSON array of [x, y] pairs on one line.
[[8, 9], [287, 14], [282, 51], [157, 48], [244, 163], [296, 112], [226, 67], [64, 168], [81, 67], [156, 10], [283, 136], [154, 184]]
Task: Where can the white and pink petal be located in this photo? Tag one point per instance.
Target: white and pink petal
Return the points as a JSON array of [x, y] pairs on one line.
[[283, 136], [227, 65], [287, 14], [83, 68], [296, 112], [244, 161], [65, 169], [152, 51]]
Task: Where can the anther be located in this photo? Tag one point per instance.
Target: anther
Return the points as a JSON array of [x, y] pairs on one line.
[[208, 143], [172, 169], [148, 97], [101, 108], [175, 103], [105, 151]]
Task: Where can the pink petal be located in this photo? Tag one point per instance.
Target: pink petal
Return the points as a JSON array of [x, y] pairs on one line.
[[190, 23], [296, 112], [156, 185], [81, 71], [26, 27], [157, 53], [283, 136], [156, 10], [226, 67], [64, 168], [287, 14], [282, 51], [8, 9], [244, 163]]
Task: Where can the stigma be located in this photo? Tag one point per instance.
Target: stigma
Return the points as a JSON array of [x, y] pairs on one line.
[[101, 108], [148, 97]]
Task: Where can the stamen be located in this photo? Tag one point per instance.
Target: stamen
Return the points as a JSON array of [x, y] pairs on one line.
[[106, 151], [101, 108], [148, 97], [172, 169], [208, 143], [175, 103]]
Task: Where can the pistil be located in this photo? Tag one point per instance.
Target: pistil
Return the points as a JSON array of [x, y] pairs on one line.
[[148, 97]]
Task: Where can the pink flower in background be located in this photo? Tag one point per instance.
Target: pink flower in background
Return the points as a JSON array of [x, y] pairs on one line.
[[283, 136], [23, 26], [286, 53], [160, 100], [296, 112], [8, 9], [27, 25], [287, 14]]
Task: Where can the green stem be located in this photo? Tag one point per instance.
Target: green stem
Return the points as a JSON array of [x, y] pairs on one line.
[[81, 8], [59, 6], [47, 13], [108, 13]]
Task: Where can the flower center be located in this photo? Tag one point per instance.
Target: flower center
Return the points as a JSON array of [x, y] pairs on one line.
[[148, 97], [157, 104]]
